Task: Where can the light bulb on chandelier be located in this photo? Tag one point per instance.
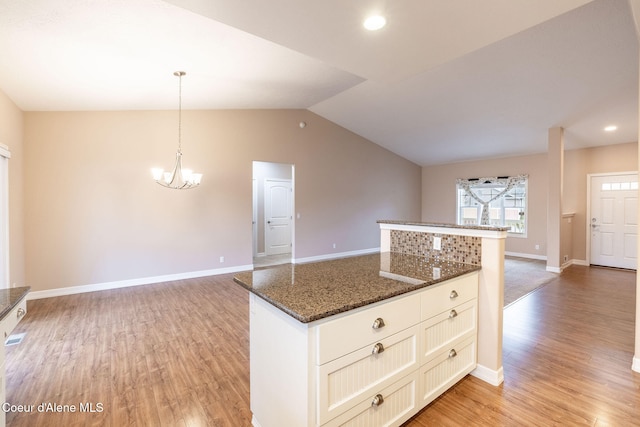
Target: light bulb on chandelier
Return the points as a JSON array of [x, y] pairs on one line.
[[178, 178]]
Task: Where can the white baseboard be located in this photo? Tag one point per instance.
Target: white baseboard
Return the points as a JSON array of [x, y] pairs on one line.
[[635, 366], [529, 256], [336, 255], [487, 375], [568, 264], [134, 282]]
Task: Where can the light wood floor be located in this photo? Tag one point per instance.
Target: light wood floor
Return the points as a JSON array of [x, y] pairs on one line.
[[177, 354]]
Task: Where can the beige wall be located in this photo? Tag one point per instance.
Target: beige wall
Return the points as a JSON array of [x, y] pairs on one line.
[[11, 124], [94, 215], [439, 195], [438, 190]]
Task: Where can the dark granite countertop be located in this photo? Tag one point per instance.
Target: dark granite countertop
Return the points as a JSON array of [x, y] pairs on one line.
[[313, 291], [438, 224], [10, 297]]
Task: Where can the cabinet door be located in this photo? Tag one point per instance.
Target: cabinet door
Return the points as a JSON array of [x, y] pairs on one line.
[[439, 332], [447, 368], [12, 318], [346, 381], [449, 294], [348, 333], [390, 406]]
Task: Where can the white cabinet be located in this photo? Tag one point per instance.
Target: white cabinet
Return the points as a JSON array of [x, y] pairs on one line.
[[7, 324], [377, 365], [356, 376]]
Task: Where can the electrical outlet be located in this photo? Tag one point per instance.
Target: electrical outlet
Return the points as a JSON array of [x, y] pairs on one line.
[[334, 246], [437, 243], [221, 259], [537, 247]]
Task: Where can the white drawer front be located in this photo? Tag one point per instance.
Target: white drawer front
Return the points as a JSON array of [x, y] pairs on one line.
[[349, 379], [446, 296], [446, 369], [399, 403], [440, 331], [349, 333], [12, 318]]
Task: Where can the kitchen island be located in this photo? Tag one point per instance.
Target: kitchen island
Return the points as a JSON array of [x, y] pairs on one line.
[[369, 339]]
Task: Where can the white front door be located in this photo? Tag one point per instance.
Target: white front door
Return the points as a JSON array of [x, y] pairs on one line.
[[613, 221], [278, 216]]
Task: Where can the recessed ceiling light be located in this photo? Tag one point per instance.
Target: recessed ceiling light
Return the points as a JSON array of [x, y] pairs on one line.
[[375, 22], [611, 128]]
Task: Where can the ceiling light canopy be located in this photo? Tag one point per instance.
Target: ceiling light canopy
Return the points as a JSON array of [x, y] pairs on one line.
[[178, 179], [375, 22]]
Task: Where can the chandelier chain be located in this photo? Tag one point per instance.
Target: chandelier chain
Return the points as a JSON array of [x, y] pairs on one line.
[[180, 112]]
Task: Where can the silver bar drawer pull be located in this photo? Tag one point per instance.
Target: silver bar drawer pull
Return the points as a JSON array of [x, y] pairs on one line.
[[452, 353], [378, 400], [453, 294], [378, 323], [453, 314], [377, 349]]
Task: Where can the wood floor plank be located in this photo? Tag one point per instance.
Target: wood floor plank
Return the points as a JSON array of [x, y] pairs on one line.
[[177, 354]]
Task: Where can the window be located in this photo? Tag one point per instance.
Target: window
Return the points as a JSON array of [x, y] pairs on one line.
[[496, 201]]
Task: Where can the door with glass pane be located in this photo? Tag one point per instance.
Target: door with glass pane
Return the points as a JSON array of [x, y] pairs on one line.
[[613, 222]]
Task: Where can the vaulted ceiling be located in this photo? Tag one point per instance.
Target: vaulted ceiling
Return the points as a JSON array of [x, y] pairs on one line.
[[443, 81]]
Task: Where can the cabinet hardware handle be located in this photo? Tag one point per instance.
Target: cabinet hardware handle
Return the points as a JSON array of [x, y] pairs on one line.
[[452, 353], [20, 312], [378, 323], [453, 314], [377, 349], [453, 294], [378, 400]]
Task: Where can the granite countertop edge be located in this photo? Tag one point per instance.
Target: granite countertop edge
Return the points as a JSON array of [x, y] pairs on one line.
[[469, 268], [14, 295], [443, 225]]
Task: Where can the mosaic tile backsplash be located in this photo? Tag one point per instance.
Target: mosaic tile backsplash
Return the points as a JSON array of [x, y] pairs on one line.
[[467, 249]]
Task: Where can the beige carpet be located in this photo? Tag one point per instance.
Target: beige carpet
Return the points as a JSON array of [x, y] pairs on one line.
[[522, 276]]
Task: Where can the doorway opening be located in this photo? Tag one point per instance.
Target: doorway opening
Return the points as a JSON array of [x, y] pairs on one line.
[[273, 207]]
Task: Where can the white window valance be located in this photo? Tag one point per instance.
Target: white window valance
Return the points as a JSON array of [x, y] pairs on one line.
[[508, 182]]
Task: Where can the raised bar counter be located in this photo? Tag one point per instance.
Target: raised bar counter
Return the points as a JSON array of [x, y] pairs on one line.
[[313, 291], [443, 225]]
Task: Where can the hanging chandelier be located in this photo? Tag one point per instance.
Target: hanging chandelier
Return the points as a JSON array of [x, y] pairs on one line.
[[178, 179]]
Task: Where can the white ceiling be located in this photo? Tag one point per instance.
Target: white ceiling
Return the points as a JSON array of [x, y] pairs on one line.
[[444, 81]]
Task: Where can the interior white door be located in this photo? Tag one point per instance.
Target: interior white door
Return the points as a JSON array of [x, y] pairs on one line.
[[613, 224], [278, 216]]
